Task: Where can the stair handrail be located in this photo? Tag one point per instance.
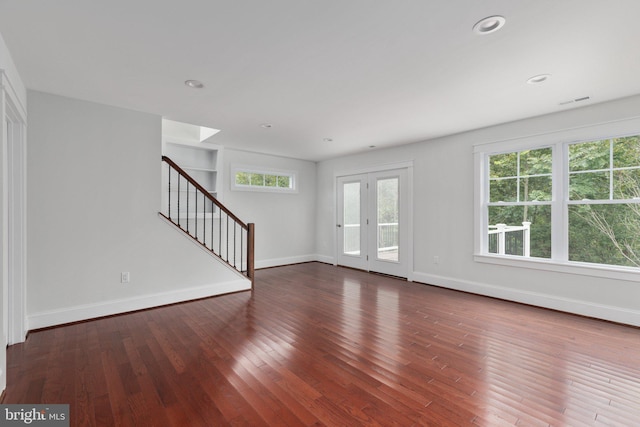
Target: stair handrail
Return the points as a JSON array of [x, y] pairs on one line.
[[249, 227], [204, 191]]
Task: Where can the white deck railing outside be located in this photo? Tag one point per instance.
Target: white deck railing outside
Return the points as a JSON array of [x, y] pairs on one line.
[[387, 237], [506, 246]]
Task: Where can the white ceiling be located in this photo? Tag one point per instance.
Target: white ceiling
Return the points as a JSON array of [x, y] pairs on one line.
[[360, 72]]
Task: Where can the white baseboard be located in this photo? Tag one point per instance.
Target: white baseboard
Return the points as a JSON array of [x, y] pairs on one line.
[[583, 308], [108, 308], [326, 259], [276, 262]]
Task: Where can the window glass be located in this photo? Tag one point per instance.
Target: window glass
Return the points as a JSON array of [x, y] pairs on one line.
[[270, 181], [514, 219], [535, 162], [535, 188], [605, 234], [242, 178], [605, 170], [589, 186], [503, 165], [284, 181], [589, 156], [520, 176], [519, 210], [626, 184], [601, 229], [256, 180], [626, 152], [504, 190]]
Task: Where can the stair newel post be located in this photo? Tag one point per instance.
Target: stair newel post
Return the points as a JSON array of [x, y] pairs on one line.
[[250, 249]]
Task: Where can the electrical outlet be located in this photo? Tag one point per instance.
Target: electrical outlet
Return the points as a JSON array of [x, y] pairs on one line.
[[125, 277], [436, 259]]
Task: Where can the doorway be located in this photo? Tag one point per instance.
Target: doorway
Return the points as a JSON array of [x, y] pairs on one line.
[[372, 222]]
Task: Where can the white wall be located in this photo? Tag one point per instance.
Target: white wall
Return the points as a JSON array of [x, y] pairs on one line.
[[93, 197], [285, 222], [444, 218]]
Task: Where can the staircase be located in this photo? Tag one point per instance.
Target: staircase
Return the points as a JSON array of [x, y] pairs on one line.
[[196, 212]]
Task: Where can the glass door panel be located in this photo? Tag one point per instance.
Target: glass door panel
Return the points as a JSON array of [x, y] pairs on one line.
[[388, 226], [388, 212], [351, 236], [351, 223]]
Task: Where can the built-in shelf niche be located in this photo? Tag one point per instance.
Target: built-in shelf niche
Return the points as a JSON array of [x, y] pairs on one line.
[[203, 162]]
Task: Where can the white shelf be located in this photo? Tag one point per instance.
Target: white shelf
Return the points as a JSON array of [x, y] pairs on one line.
[[202, 163]]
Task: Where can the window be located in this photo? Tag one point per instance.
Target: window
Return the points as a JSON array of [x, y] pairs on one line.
[[519, 206], [570, 203], [604, 201], [248, 178]]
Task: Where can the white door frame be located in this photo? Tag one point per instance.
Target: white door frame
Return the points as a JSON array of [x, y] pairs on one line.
[[408, 165], [14, 213]]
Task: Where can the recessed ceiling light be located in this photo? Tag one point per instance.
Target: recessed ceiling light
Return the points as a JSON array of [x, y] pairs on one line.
[[489, 25], [538, 79], [266, 125], [195, 84]]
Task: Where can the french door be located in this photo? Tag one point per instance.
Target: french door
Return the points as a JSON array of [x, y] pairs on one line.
[[372, 226]]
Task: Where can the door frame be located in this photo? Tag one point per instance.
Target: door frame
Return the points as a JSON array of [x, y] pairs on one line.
[[408, 165], [14, 214]]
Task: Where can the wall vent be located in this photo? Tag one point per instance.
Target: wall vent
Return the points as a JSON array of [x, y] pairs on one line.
[[571, 101]]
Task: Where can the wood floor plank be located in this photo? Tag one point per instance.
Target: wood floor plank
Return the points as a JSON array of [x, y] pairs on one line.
[[318, 345]]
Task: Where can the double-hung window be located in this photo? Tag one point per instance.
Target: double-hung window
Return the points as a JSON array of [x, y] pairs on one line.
[[574, 203], [604, 201], [519, 203]]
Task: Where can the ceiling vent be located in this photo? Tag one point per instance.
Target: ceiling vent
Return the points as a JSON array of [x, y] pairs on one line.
[[571, 101]]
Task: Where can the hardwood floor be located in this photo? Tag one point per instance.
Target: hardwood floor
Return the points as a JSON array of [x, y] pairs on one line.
[[320, 345]]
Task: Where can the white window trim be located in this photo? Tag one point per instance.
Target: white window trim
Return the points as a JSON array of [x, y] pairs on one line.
[[559, 218], [293, 176]]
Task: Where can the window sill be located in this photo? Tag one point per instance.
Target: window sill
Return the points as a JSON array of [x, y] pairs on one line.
[[260, 189], [630, 274]]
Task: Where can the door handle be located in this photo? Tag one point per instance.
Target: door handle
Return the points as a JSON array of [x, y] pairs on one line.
[[338, 225]]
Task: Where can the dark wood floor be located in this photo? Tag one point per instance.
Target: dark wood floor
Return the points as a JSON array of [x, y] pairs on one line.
[[320, 345]]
